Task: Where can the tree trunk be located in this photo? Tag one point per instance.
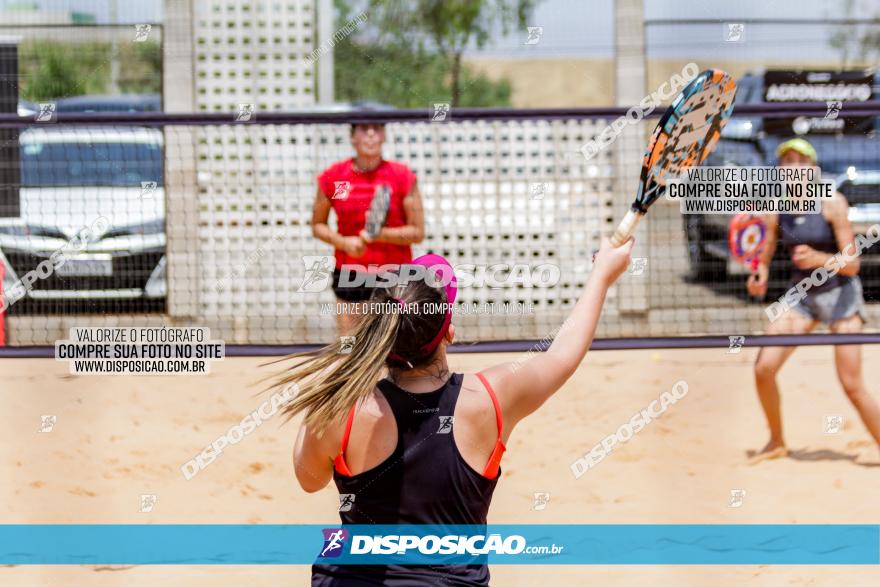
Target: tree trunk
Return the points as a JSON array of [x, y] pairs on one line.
[[456, 79]]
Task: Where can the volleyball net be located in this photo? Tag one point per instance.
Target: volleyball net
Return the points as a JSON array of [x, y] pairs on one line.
[[204, 220]]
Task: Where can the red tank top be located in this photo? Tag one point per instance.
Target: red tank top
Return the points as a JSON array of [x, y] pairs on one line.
[[350, 193]]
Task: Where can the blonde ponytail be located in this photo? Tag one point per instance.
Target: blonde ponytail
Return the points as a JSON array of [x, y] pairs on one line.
[[330, 382]]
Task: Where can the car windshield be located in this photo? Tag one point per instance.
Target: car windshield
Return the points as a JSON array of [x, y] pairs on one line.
[[837, 154], [861, 192], [82, 163]]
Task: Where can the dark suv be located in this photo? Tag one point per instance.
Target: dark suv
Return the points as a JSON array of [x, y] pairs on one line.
[[853, 162]]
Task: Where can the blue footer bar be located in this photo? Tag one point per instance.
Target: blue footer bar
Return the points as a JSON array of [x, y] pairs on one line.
[[395, 544]]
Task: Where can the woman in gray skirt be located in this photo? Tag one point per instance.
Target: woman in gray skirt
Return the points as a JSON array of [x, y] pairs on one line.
[[812, 240]]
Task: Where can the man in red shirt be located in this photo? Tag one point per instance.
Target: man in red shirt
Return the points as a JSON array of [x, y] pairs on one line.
[[347, 188]]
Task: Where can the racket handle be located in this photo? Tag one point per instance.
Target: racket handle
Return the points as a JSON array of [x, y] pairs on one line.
[[626, 227]]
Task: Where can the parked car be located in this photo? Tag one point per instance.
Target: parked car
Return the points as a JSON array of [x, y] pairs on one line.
[[26, 108], [706, 234], [71, 177], [118, 103], [847, 157], [708, 253], [91, 103]]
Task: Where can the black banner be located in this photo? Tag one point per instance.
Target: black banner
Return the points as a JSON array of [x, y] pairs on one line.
[[835, 88]]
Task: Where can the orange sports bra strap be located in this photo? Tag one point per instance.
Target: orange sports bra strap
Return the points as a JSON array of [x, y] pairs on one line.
[[498, 418], [492, 467], [339, 462], [347, 433]]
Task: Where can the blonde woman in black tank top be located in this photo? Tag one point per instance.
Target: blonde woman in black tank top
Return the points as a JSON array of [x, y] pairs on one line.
[[423, 445], [838, 303]]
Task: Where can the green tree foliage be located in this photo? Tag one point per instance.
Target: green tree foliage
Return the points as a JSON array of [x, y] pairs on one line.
[[51, 70], [54, 70], [409, 52], [395, 74], [140, 68], [857, 41]]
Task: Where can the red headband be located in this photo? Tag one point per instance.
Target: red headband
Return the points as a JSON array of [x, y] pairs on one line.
[[446, 274]]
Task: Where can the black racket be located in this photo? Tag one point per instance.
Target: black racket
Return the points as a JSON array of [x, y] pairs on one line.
[[377, 215]]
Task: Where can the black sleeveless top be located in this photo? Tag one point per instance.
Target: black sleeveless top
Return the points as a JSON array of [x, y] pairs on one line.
[[424, 481], [815, 231]]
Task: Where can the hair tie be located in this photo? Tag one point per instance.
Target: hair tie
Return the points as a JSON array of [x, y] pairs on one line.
[[399, 301], [399, 359]]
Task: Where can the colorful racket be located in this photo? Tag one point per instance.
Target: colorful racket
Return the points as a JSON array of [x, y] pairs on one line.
[[378, 212], [684, 137], [746, 237]]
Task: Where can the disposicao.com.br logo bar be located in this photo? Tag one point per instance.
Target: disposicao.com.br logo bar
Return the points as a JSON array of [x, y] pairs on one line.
[[301, 544], [426, 545]]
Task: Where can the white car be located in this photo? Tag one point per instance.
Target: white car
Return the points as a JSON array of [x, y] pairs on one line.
[[78, 177]]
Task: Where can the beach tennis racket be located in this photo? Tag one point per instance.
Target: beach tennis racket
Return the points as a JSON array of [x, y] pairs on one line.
[[746, 238], [684, 137], [378, 212]]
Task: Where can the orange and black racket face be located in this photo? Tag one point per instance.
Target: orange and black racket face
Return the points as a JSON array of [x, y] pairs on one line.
[[687, 132]]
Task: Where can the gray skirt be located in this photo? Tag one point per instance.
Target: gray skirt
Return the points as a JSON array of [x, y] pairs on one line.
[[834, 304]]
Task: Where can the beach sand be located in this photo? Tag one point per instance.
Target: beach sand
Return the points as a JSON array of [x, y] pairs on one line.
[[117, 438]]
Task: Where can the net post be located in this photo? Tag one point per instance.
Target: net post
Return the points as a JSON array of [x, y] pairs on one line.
[[181, 174], [326, 86], [10, 164], [629, 88]]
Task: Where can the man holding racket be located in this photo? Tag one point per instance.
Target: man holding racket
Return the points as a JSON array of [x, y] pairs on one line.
[[811, 240], [356, 189]]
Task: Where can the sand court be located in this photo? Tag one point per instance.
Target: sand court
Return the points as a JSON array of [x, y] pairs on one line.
[[116, 439]]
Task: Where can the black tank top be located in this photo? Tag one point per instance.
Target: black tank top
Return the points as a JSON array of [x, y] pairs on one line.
[[815, 231], [424, 481]]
